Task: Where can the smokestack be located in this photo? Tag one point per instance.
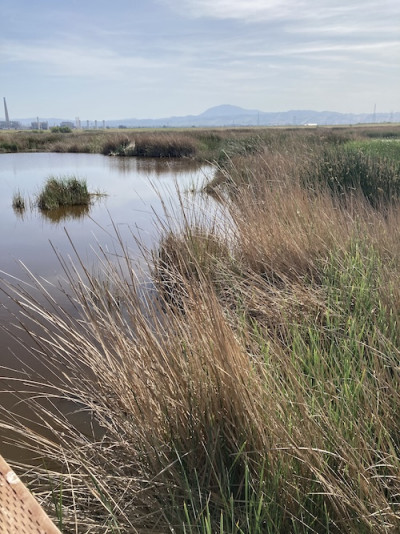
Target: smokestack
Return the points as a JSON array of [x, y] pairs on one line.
[[6, 112]]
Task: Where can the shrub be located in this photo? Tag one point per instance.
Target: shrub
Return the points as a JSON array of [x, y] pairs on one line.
[[8, 147], [60, 129]]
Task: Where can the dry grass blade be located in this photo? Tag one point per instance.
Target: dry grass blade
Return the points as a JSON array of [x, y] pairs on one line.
[[253, 389]]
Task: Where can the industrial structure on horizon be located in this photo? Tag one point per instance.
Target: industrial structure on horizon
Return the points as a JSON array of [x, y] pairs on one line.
[[223, 115], [38, 124], [7, 124]]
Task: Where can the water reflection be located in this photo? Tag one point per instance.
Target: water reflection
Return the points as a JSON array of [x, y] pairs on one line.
[[19, 212], [155, 166], [133, 187], [66, 213]]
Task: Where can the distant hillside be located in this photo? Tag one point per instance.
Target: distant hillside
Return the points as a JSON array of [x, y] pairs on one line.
[[227, 110], [227, 115]]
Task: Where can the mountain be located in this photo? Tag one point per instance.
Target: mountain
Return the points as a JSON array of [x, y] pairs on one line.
[[226, 110], [227, 115]]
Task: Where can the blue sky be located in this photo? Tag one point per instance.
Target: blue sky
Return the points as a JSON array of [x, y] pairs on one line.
[[98, 59]]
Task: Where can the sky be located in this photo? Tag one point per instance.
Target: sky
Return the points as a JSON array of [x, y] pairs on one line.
[[103, 60]]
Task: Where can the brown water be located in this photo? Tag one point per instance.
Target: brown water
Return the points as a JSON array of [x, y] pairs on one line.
[[135, 190]]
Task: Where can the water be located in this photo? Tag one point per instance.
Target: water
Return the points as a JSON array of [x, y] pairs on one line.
[[135, 190], [131, 201]]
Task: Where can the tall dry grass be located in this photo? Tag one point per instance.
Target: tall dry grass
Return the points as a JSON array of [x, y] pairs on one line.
[[253, 389], [199, 144]]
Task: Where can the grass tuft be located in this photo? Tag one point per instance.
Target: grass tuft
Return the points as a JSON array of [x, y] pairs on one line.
[[62, 192], [18, 201]]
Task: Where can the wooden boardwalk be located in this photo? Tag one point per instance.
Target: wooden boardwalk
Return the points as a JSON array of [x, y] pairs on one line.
[[20, 513]]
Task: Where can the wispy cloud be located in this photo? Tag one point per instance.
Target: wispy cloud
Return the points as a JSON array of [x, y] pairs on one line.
[[321, 48], [177, 56], [234, 9], [264, 10], [76, 61]]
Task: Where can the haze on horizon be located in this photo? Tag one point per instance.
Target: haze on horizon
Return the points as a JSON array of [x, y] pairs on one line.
[[156, 58]]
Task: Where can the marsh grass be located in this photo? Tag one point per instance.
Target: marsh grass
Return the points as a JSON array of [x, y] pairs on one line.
[[62, 192], [205, 145], [353, 169], [18, 201], [167, 145], [386, 148], [116, 145], [216, 145], [341, 164], [255, 390]]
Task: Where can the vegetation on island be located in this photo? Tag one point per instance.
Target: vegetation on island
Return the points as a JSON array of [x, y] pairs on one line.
[[18, 201], [59, 192], [61, 198], [255, 387]]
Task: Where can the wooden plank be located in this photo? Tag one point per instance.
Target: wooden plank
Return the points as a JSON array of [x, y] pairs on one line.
[[20, 513]]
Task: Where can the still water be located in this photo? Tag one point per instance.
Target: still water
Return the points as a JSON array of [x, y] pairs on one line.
[[131, 200], [134, 192]]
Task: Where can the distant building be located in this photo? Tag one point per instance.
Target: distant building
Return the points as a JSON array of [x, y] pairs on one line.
[[39, 125], [10, 125]]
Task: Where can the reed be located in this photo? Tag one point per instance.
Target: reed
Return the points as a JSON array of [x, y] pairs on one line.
[[254, 389], [164, 146], [62, 192], [353, 169]]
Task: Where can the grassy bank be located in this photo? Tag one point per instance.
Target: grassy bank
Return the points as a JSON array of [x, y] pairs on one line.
[[255, 389], [218, 144], [205, 145], [340, 162], [144, 143]]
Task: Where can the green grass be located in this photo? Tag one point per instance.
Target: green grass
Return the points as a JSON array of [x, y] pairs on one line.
[[61, 129], [321, 159], [254, 389], [383, 148], [63, 192], [358, 168]]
